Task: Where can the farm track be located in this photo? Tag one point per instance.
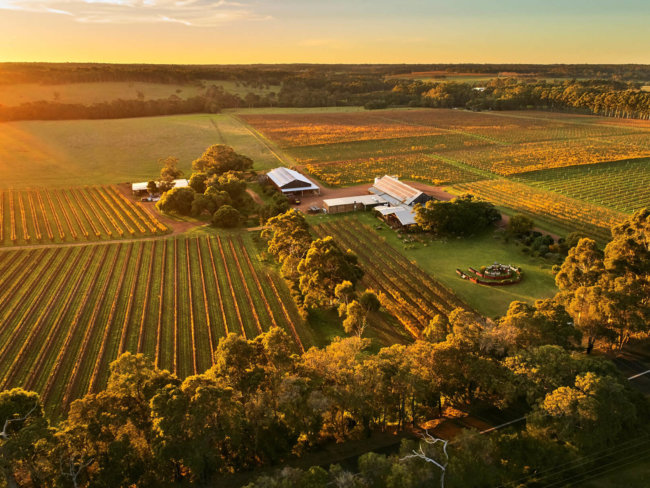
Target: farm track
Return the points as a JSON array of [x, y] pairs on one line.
[[262, 139]]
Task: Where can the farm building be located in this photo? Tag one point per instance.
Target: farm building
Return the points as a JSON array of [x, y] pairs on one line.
[[400, 216], [352, 204], [289, 181], [141, 188], [396, 192]]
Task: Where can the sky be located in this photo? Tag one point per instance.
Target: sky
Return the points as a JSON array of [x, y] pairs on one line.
[[330, 31]]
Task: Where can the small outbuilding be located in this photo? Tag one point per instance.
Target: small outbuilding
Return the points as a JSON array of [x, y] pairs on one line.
[[400, 216], [352, 204], [142, 187], [290, 182]]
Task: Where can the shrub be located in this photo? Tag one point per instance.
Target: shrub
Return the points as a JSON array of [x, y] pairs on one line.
[[177, 200], [226, 216], [520, 225]]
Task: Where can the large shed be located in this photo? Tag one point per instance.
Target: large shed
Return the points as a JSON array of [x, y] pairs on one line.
[[397, 192], [352, 204], [289, 181]]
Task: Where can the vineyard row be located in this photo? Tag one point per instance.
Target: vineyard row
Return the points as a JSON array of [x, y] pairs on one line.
[[42, 216], [68, 312]]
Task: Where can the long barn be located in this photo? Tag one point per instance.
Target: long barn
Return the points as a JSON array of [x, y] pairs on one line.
[[289, 181], [397, 192]]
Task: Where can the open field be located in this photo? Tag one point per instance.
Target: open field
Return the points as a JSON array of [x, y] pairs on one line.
[[82, 152], [89, 93], [621, 185], [439, 259], [107, 91], [76, 214], [68, 311]]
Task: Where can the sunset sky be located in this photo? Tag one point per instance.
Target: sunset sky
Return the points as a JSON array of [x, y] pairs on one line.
[[332, 31]]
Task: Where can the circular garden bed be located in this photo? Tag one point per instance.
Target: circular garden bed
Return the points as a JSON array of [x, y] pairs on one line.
[[493, 275]]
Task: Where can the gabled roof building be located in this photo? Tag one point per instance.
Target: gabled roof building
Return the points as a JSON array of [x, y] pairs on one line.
[[289, 181], [396, 192]]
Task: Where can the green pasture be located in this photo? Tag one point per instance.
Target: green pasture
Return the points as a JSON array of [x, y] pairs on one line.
[[82, 152], [89, 93]]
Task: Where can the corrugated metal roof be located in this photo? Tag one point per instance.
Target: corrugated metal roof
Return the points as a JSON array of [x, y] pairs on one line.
[[283, 176], [363, 199], [405, 215], [142, 186], [396, 189]]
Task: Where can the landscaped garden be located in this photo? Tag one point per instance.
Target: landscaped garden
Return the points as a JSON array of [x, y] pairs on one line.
[[494, 275]]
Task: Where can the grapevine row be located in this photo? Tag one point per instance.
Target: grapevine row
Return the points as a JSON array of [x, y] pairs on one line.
[[90, 332], [205, 300], [191, 306], [72, 330], [129, 305], [232, 289], [32, 209], [94, 380], [160, 304], [46, 221], [54, 214], [246, 290]]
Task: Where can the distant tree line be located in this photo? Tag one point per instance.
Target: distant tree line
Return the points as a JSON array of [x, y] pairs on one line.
[[323, 87], [599, 97], [275, 74], [212, 101]]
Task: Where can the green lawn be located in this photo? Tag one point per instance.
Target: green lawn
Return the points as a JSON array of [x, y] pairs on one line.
[[442, 257]]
